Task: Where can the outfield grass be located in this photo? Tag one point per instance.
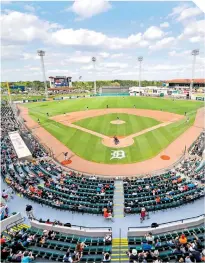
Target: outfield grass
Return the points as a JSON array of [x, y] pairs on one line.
[[133, 124], [90, 147]]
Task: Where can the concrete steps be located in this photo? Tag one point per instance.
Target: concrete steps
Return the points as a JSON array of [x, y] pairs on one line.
[[119, 200], [119, 249]]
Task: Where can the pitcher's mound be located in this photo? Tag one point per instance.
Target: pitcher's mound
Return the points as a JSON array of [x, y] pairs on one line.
[[117, 122]]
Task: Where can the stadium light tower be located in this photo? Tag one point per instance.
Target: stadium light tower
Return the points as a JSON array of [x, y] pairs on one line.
[[194, 53], [41, 54], [94, 61], [140, 59]]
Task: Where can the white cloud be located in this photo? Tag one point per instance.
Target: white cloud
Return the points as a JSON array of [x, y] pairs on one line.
[[106, 66], [194, 31], [189, 12], [114, 65], [153, 32], [195, 39], [177, 10], [184, 53], [11, 52], [30, 56], [117, 55], [80, 60], [89, 8], [164, 43], [90, 38], [164, 25], [104, 54], [88, 67], [29, 8], [23, 27], [183, 12]]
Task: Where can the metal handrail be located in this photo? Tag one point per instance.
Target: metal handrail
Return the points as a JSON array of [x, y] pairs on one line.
[[15, 223], [81, 227], [181, 220], [120, 246]]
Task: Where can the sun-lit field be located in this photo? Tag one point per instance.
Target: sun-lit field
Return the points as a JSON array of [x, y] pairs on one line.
[[90, 147], [102, 124]]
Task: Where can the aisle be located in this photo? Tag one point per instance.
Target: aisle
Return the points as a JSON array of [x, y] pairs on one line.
[[118, 200]]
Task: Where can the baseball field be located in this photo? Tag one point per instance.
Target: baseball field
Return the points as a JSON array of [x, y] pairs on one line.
[[144, 126]]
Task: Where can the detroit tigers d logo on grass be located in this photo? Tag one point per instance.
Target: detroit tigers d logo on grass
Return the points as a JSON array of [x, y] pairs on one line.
[[120, 154]]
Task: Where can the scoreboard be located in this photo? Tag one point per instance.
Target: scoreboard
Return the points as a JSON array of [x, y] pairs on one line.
[[60, 81]]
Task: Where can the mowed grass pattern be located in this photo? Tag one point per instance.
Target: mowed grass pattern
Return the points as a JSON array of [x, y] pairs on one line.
[[103, 125], [90, 147]]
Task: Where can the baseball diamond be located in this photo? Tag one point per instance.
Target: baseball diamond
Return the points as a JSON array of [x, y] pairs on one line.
[[150, 129]]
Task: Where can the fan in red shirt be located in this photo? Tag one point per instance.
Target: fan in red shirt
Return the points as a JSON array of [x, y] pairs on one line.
[[143, 213]]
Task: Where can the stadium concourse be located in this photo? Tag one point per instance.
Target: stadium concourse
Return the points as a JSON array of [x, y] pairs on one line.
[[79, 218]]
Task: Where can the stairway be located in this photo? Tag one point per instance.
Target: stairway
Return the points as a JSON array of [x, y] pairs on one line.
[[14, 229], [119, 249], [118, 200]]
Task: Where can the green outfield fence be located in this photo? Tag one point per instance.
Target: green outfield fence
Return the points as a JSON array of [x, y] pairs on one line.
[[112, 94]]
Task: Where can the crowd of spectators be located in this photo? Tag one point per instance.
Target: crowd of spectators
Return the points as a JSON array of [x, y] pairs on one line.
[[196, 155], [60, 189], [184, 250], [16, 248]]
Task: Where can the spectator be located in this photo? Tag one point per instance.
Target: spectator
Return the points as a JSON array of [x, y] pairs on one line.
[[107, 239], [5, 253], [2, 240], [182, 239], [27, 257], [68, 258], [29, 211], [149, 237], [132, 255], [146, 246], [143, 213], [5, 195], [106, 257]]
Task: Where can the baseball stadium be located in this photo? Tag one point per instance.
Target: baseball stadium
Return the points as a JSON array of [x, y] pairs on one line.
[[113, 174]]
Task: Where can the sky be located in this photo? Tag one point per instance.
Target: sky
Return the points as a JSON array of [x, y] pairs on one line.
[[116, 33]]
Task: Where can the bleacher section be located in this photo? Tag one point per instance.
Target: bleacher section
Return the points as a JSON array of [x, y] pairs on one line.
[[172, 189], [168, 242]]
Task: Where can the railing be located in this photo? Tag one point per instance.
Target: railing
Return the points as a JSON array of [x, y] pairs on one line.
[[15, 223], [170, 222], [76, 226], [76, 230]]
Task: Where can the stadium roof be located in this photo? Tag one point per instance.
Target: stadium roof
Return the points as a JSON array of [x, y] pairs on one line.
[[186, 81]]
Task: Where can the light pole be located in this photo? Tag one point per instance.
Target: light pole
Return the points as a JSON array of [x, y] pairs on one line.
[[194, 53], [41, 54], [94, 60], [140, 59]]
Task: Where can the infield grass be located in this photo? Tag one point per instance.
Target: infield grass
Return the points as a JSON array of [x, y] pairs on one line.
[[90, 147], [102, 124]]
